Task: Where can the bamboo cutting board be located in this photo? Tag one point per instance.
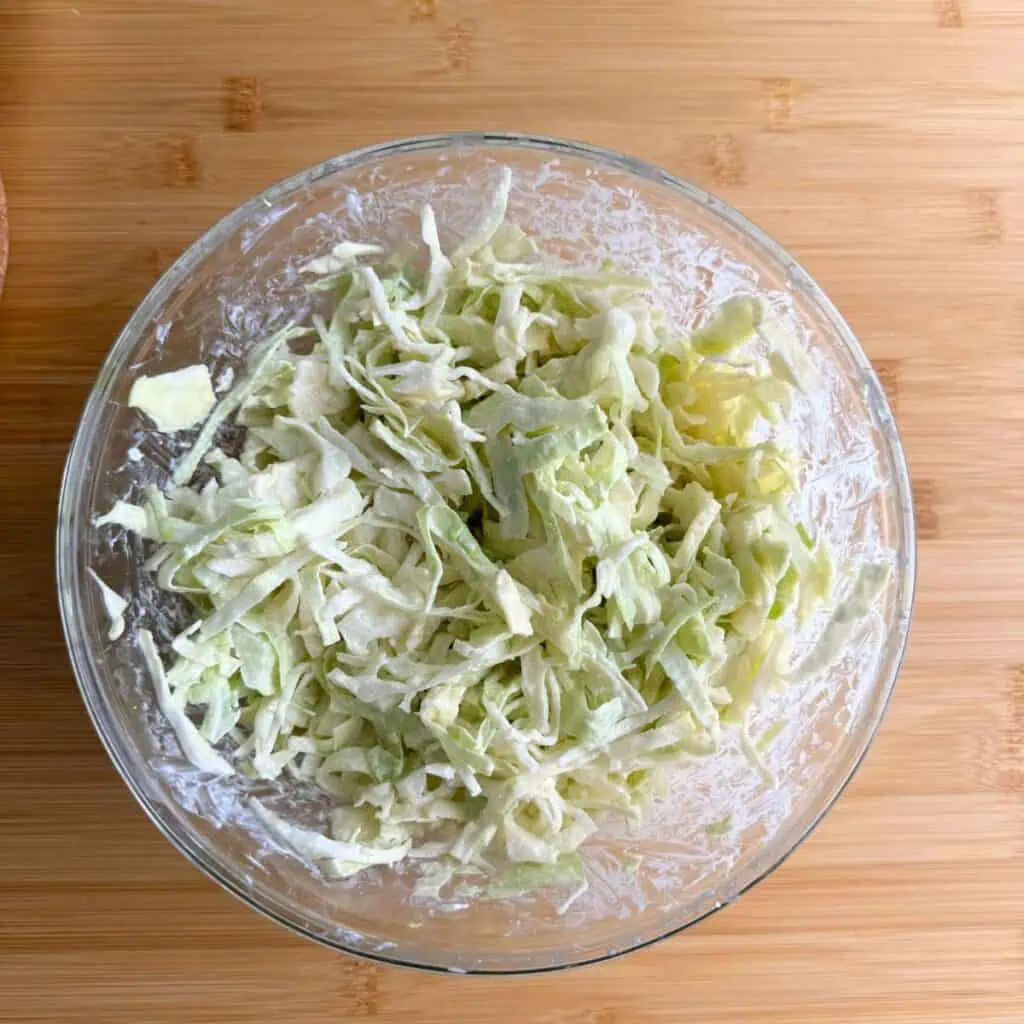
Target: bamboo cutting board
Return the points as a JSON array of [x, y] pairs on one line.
[[881, 140]]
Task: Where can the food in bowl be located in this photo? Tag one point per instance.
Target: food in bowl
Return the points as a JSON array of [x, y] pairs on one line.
[[480, 548], [723, 821]]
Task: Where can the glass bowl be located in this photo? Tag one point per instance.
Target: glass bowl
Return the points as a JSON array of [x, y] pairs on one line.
[[4, 241], [720, 826]]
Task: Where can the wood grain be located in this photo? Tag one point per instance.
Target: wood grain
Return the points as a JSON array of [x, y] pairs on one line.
[[882, 142]]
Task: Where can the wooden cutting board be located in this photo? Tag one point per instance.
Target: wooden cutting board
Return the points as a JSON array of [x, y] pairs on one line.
[[882, 141]]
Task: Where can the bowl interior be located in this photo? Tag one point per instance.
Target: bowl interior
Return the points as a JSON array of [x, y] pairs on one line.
[[719, 826]]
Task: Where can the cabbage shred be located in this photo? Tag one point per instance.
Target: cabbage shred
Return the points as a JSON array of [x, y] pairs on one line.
[[495, 550]]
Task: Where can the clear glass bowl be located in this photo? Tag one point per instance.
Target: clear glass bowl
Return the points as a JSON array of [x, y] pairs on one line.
[[719, 828], [3, 235]]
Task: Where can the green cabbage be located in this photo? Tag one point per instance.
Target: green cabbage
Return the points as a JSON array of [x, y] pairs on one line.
[[493, 551], [113, 604], [174, 401]]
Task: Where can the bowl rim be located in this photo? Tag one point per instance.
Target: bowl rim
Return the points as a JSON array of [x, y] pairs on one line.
[[74, 479], [5, 235]]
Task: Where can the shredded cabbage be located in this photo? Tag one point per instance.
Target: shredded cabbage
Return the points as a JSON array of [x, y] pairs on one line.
[[113, 604], [174, 401], [493, 551]]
